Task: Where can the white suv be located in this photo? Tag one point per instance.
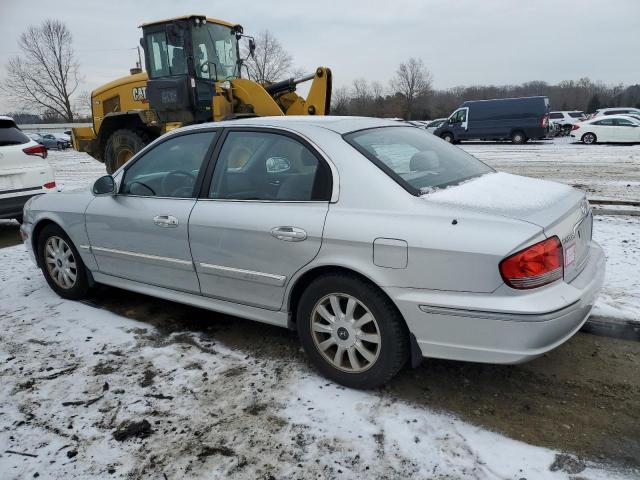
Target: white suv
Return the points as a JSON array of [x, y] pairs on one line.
[[565, 119], [616, 111], [23, 170]]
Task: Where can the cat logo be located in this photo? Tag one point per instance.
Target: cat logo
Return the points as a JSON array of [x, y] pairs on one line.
[[139, 94]]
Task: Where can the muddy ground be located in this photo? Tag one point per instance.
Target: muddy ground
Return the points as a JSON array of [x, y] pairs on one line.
[[583, 397]]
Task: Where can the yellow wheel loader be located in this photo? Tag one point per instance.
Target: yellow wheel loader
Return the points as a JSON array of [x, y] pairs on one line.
[[193, 75]]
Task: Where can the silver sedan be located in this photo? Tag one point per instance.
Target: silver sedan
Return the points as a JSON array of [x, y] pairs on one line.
[[380, 243]]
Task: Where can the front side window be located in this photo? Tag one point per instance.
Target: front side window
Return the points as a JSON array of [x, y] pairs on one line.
[[416, 159], [215, 52], [268, 166], [623, 122], [166, 54], [170, 169], [460, 116]]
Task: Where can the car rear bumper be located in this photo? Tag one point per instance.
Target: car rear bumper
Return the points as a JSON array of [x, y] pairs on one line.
[[501, 327], [11, 207]]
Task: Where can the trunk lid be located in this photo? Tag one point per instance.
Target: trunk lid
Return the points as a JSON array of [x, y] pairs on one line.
[[557, 208]]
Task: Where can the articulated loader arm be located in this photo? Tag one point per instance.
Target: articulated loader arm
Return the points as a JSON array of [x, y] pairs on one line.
[[280, 98]]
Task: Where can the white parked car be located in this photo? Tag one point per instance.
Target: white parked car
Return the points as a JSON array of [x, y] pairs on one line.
[[616, 111], [614, 128], [23, 170], [433, 124], [565, 119]]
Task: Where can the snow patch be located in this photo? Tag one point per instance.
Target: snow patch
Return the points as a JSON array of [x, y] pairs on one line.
[[502, 193]]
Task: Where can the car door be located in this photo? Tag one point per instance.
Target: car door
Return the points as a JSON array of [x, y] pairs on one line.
[[141, 233], [458, 123], [604, 130], [261, 218], [626, 130]]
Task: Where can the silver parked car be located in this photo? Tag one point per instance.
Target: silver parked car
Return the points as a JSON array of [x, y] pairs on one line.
[[380, 243]]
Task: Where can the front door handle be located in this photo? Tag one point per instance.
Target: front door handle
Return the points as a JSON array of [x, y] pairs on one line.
[[289, 234], [166, 221]]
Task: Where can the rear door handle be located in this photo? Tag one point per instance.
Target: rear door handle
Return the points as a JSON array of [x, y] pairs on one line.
[[289, 234], [166, 221]]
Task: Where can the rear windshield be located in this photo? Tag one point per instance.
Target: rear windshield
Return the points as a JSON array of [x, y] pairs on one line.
[[10, 134], [416, 159]]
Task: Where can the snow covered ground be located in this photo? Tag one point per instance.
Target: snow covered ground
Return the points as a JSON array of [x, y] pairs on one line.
[[89, 394], [620, 239], [603, 171]]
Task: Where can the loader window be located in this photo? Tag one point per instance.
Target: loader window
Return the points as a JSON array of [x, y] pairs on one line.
[[166, 58], [215, 52]]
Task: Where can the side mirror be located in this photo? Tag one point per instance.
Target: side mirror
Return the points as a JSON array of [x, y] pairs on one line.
[[451, 121], [252, 47], [105, 185]]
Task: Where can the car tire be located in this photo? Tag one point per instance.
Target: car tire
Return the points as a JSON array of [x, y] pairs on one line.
[[59, 146], [54, 246], [122, 145], [447, 137], [518, 137], [363, 362], [589, 138]]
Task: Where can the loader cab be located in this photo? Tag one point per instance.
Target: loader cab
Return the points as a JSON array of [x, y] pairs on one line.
[[184, 58]]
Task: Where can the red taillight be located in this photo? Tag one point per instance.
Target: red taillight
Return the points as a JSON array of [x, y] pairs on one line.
[[534, 266], [575, 126], [545, 121], [38, 150], [50, 185]]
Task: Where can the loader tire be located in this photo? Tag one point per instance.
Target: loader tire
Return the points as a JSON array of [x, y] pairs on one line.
[[122, 145]]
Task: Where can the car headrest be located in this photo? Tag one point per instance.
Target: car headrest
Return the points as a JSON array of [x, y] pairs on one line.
[[424, 161]]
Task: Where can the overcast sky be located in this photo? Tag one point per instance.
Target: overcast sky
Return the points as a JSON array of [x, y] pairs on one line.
[[462, 42]]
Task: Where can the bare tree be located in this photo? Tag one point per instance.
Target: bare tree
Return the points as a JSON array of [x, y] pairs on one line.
[[83, 103], [45, 75], [411, 81], [340, 100], [271, 61]]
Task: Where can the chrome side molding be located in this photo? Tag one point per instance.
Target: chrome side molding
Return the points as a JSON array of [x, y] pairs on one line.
[[143, 257], [240, 274]]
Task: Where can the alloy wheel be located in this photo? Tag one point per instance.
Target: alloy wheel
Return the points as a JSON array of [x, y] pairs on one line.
[[61, 263], [345, 332]]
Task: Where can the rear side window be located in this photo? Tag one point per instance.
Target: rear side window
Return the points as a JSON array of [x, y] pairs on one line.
[[10, 134], [269, 166], [606, 122], [417, 160], [616, 112]]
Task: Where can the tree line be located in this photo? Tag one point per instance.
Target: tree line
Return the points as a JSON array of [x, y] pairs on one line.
[[371, 98], [44, 78]]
